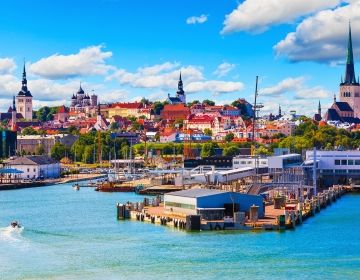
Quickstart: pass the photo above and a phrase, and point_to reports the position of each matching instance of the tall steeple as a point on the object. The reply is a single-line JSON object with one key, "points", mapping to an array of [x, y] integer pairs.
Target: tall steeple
{"points": [[319, 108], [14, 107], [24, 89], [280, 115], [180, 92], [350, 78]]}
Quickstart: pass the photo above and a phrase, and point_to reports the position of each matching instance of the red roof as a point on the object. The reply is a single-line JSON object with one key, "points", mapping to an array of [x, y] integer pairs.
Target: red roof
{"points": [[129, 105], [62, 109]]}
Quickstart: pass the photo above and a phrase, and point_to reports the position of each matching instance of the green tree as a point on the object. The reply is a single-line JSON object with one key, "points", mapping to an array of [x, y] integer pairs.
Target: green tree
{"points": [[208, 102], [88, 155], [158, 107], [208, 132], [231, 151], [58, 151], [114, 126], [208, 149], [29, 131], [73, 130], [229, 137], [40, 150]]}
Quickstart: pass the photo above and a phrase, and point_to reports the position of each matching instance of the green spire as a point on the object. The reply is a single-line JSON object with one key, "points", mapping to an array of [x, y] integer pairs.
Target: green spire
{"points": [[350, 56]]}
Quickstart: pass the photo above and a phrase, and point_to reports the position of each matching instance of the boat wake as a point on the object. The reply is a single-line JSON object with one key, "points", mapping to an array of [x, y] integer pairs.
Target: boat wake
{"points": [[10, 234]]}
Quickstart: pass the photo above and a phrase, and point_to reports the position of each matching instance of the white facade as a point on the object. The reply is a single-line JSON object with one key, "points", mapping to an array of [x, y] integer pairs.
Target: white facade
{"points": [[241, 162], [347, 161]]}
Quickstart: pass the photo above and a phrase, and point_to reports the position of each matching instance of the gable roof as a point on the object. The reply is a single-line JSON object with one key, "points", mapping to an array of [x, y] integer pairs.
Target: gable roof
{"points": [[343, 106], [31, 160]]}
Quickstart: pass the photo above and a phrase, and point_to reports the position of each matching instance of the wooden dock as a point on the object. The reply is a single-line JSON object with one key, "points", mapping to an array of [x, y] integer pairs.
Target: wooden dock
{"points": [[289, 216]]}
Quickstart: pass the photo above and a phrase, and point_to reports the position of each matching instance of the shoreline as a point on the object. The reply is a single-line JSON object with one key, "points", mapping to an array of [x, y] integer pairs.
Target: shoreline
{"points": [[84, 177]]}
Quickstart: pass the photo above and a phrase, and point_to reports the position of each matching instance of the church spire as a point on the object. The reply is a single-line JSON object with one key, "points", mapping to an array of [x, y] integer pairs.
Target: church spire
{"points": [[14, 107], [350, 69], [24, 81], [334, 98], [319, 108]]}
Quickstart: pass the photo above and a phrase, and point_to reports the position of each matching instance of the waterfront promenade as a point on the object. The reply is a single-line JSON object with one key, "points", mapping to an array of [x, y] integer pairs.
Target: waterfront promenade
{"points": [[75, 235]]}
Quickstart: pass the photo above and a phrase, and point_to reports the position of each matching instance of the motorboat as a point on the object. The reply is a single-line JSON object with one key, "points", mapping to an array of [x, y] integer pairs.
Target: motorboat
{"points": [[76, 187], [15, 224]]}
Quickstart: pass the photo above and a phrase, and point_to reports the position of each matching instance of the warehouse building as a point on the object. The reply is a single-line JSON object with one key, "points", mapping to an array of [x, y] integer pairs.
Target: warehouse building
{"points": [[211, 204]]}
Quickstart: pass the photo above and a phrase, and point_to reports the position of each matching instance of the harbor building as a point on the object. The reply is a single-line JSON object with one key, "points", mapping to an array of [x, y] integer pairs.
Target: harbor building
{"points": [[336, 167], [24, 99], [211, 204], [248, 161], [35, 167]]}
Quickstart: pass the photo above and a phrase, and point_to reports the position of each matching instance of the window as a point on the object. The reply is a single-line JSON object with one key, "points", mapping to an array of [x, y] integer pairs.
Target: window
{"points": [[343, 162], [34, 170], [28, 170], [337, 162], [357, 161], [350, 162]]}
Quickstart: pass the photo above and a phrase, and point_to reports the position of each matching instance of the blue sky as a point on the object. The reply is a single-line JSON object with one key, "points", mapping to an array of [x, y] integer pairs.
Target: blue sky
{"points": [[132, 48]]}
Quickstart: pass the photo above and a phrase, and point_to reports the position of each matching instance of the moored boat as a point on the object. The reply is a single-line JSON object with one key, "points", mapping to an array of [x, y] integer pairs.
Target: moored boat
{"points": [[111, 187]]}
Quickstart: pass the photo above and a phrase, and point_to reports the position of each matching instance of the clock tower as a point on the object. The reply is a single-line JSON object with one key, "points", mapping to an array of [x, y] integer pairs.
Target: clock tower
{"points": [[24, 99]]}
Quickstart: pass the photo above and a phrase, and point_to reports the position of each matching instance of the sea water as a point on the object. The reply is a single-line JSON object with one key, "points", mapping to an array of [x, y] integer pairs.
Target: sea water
{"points": [[70, 234]]}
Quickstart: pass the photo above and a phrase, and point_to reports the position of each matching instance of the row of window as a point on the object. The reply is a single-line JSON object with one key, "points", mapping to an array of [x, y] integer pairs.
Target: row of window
{"points": [[347, 161], [348, 94], [248, 162], [22, 100], [179, 205], [340, 171]]}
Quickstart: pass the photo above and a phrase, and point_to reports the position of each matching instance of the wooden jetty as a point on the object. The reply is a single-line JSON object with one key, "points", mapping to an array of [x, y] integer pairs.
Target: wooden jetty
{"points": [[288, 215]]}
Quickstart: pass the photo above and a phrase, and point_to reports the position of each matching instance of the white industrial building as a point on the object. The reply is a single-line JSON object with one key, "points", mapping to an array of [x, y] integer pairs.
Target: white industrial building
{"points": [[35, 167], [247, 161], [336, 167]]}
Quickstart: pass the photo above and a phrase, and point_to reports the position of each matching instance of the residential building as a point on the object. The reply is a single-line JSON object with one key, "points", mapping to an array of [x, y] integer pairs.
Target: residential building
{"points": [[30, 144], [35, 167], [175, 112]]}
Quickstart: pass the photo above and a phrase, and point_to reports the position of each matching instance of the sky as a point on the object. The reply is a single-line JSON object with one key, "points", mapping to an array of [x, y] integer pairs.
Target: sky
{"points": [[123, 50]]}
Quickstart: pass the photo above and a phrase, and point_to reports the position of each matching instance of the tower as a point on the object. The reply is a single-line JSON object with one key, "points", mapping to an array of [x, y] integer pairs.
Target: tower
{"points": [[180, 92], [13, 116], [24, 99], [349, 87], [280, 115], [319, 108]]}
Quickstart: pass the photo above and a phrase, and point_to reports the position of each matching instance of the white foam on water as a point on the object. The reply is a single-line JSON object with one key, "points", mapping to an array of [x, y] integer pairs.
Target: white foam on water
{"points": [[12, 235]]}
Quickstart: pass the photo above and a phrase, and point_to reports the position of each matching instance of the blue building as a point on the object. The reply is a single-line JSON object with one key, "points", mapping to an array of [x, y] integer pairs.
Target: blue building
{"points": [[211, 204]]}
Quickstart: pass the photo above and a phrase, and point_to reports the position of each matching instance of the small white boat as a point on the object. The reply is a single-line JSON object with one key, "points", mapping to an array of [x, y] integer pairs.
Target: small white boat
{"points": [[76, 187]]}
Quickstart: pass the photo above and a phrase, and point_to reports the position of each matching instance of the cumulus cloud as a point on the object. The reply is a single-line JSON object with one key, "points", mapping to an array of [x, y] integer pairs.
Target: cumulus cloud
{"points": [[88, 61], [215, 87], [223, 69], [145, 77], [296, 86], [323, 37], [295, 95], [7, 65], [165, 76], [284, 86], [197, 19], [258, 15]]}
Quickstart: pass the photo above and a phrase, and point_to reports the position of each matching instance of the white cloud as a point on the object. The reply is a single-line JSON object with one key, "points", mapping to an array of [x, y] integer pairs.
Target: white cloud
{"points": [[7, 65], [295, 86], [197, 19], [165, 77], [258, 15], [88, 61], [157, 76], [323, 36], [284, 86], [215, 87], [223, 69]]}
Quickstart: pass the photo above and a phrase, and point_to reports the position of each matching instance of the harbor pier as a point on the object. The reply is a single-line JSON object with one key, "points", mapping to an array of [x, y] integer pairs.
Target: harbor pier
{"points": [[287, 214]]}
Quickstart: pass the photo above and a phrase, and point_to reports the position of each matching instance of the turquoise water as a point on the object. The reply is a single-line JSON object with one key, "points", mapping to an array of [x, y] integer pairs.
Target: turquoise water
{"points": [[75, 235]]}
